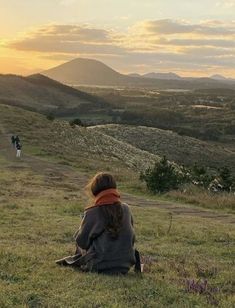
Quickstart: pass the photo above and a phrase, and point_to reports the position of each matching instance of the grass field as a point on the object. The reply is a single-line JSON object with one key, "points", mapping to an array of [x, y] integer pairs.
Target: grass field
{"points": [[41, 200]]}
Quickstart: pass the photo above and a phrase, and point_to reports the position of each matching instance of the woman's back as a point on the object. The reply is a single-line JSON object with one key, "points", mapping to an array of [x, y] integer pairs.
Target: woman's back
{"points": [[114, 253], [105, 238]]}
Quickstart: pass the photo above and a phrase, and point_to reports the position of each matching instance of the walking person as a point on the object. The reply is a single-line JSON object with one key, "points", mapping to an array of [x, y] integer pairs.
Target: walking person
{"points": [[13, 140], [105, 238], [17, 140], [18, 149]]}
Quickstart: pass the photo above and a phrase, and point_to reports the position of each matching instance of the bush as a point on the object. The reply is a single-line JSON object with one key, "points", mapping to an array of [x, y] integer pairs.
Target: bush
{"points": [[163, 177], [50, 117], [199, 176], [226, 179], [76, 122]]}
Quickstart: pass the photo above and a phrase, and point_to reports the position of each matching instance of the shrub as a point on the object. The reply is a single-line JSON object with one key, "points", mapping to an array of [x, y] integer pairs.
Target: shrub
{"points": [[163, 177], [76, 122], [226, 179], [50, 117], [199, 176]]}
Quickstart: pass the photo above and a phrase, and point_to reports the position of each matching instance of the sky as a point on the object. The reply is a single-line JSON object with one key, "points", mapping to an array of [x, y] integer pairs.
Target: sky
{"points": [[190, 38]]}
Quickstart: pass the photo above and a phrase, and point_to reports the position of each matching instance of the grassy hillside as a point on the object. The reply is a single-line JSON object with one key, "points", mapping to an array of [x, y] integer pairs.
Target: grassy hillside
{"points": [[181, 149], [74, 145], [41, 202], [41, 93]]}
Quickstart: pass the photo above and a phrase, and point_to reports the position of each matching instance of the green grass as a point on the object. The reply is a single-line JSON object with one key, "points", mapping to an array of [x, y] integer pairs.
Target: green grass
{"points": [[41, 202], [38, 219]]}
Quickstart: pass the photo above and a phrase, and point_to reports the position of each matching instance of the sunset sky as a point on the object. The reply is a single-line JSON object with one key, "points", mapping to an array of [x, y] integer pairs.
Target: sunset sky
{"points": [[191, 38]]}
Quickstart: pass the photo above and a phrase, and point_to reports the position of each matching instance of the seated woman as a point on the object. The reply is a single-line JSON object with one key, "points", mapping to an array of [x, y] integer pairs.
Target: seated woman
{"points": [[105, 239]]}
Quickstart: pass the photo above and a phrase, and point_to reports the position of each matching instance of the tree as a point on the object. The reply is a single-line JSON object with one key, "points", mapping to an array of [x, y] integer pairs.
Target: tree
{"points": [[50, 117], [200, 176], [162, 177], [76, 122], [226, 179]]}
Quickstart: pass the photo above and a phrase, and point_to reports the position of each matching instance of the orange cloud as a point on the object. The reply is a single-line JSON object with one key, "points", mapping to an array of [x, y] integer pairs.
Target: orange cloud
{"points": [[154, 43]]}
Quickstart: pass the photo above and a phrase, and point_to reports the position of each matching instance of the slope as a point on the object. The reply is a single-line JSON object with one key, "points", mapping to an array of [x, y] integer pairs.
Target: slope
{"points": [[79, 145], [40, 93], [188, 259], [181, 149]]}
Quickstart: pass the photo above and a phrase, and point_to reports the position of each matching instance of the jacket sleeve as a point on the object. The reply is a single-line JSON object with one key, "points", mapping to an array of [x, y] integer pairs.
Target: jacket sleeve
{"points": [[89, 229]]}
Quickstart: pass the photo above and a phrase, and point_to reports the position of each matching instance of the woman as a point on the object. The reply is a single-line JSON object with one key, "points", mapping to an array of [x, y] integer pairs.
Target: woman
{"points": [[105, 239], [18, 149]]}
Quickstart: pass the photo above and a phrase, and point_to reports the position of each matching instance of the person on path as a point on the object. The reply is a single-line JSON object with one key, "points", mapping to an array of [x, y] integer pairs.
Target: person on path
{"points": [[13, 141], [105, 238], [18, 149], [17, 140]]}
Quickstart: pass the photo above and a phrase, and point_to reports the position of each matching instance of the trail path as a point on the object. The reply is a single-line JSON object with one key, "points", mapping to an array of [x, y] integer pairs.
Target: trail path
{"points": [[68, 176]]}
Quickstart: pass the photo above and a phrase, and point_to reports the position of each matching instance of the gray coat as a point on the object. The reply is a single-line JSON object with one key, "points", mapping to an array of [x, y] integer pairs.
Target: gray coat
{"points": [[97, 251]]}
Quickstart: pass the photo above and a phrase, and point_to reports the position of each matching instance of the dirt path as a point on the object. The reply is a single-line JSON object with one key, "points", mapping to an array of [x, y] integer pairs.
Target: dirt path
{"points": [[67, 176]]}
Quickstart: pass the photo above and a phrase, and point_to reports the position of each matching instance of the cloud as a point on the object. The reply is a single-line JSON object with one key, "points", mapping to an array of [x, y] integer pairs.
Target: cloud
{"points": [[197, 42], [154, 43], [70, 33], [226, 4], [67, 39], [169, 26]]}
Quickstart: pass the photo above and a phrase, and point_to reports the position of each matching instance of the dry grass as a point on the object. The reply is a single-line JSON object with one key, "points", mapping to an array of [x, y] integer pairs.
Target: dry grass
{"points": [[198, 196]]}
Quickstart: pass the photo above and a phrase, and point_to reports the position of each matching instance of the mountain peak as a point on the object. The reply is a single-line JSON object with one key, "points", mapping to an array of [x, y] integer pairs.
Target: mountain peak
{"points": [[83, 71], [168, 76], [218, 77]]}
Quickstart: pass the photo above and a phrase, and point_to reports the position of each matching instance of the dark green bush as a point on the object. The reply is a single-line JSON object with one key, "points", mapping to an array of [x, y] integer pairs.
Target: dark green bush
{"points": [[76, 122], [163, 177], [50, 117], [226, 179], [200, 176]]}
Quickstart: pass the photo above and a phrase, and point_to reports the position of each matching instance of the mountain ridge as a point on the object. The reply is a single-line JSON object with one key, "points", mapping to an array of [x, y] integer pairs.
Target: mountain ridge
{"points": [[40, 93], [82, 71]]}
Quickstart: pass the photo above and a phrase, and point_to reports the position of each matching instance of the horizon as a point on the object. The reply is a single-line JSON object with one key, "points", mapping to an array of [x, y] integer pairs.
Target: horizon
{"points": [[196, 40], [141, 74]]}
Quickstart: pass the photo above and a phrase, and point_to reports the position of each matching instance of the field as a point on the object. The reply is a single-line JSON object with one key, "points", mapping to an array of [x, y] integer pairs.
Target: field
{"points": [[204, 114], [188, 250]]}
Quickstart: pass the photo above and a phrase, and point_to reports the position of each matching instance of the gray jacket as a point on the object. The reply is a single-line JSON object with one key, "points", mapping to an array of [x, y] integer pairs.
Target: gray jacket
{"points": [[102, 253]]}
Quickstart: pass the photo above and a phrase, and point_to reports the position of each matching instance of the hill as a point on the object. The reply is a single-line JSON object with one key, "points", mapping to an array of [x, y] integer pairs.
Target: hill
{"points": [[40, 93], [181, 149], [59, 139], [85, 71], [188, 252], [92, 72], [166, 76]]}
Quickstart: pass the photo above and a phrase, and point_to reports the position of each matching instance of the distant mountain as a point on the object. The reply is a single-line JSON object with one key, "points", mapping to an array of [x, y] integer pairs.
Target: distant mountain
{"points": [[166, 76], [134, 75], [85, 71], [92, 72], [218, 77], [40, 93]]}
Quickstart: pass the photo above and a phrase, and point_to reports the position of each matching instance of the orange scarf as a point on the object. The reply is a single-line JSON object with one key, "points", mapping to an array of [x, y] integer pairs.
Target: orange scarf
{"points": [[106, 197]]}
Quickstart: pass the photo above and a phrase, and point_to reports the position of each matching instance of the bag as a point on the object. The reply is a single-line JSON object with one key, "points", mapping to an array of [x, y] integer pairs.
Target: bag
{"points": [[138, 267]]}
